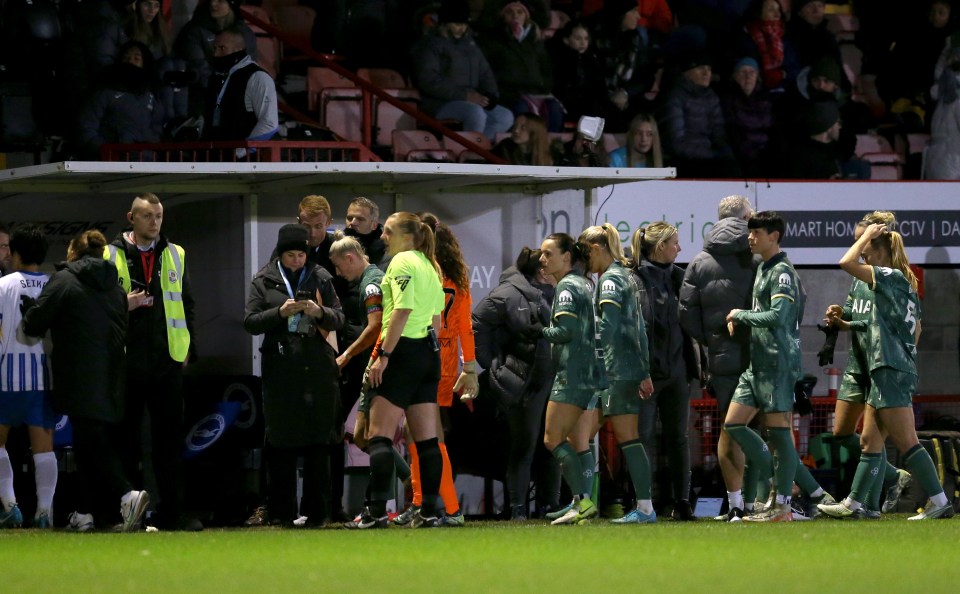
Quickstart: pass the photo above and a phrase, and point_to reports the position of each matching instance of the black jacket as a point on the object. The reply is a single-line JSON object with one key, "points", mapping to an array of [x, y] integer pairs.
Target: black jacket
{"points": [[672, 353], [372, 244], [718, 279], [506, 326], [85, 311], [147, 348], [301, 399]]}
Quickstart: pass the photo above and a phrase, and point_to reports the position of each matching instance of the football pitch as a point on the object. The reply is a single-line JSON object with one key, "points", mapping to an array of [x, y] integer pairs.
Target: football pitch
{"points": [[820, 556]]}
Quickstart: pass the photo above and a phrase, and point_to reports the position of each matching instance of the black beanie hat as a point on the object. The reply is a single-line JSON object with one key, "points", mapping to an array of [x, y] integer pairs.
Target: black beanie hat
{"points": [[820, 116], [826, 67], [453, 11], [695, 58], [292, 237]]}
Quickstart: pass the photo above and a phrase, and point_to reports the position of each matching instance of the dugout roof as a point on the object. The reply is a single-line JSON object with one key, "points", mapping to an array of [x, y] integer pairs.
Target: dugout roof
{"points": [[254, 178]]}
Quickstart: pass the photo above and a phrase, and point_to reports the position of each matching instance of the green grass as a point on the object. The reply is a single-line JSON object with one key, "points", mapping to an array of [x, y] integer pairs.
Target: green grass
{"points": [[815, 557]]}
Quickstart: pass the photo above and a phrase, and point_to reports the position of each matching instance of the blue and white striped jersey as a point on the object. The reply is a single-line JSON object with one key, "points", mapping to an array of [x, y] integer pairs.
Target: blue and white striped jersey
{"points": [[23, 363]]}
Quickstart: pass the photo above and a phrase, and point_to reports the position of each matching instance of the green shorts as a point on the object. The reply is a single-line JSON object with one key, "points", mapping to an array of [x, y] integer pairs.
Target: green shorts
{"points": [[620, 398], [768, 392], [891, 388], [854, 387], [585, 399]]}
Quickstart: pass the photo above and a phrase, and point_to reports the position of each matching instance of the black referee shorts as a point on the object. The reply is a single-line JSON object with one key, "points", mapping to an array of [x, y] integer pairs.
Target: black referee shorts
{"points": [[412, 376]]}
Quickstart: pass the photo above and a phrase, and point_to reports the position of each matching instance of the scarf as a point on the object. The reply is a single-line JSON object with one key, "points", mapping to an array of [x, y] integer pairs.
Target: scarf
{"points": [[768, 36]]}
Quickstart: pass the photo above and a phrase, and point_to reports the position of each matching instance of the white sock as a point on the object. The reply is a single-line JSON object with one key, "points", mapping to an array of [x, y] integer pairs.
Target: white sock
{"points": [[817, 493], [939, 499], [735, 498], [645, 506], [45, 468], [783, 499], [851, 504], [7, 496], [748, 507]]}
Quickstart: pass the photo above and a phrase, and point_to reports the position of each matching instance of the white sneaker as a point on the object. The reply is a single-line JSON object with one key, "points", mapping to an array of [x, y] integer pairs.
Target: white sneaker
{"points": [[301, 521], [132, 507], [78, 522]]}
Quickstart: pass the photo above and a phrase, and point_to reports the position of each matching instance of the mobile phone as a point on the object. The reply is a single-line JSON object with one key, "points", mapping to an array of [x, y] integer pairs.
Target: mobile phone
{"points": [[303, 295], [138, 286]]}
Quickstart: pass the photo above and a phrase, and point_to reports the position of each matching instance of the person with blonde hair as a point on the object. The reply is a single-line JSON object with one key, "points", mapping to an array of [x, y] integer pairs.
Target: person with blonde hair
{"points": [[673, 358], [642, 148], [855, 383], [404, 373], [626, 359], [892, 310], [529, 143]]}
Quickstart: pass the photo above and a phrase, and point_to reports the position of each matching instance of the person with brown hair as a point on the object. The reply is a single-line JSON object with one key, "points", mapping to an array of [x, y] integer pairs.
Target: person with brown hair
{"points": [[85, 310], [529, 143]]}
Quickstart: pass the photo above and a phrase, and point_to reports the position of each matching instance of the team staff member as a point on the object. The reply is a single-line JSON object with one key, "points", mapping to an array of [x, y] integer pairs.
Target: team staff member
{"points": [[456, 336], [578, 367], [25, 396], [363, 224], [85, 312], [152, 270], [314, 213], [893, 334], [767, 385], [626, 359], [405, 372], [293, 304]]}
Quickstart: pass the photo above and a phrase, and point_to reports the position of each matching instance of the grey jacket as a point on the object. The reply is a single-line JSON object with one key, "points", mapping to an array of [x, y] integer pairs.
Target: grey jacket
{"points": [[446, 69], [718, 279]]}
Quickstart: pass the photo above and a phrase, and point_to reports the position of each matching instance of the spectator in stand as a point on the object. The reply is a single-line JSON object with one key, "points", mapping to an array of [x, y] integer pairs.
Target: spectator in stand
{"points": [[943, 155], [766, 31], [656, 15], [195, 43], [241, 97], [579, 152], [522, 67], [454, 78], [748, 111], [642, 148], [909, 71], [816, 156], [110, 30], [93, 36], [122, 108], [529, 143], [577, 73], [694, 130], [626, 53], [809, 39], [490, 19], [146, 25]]}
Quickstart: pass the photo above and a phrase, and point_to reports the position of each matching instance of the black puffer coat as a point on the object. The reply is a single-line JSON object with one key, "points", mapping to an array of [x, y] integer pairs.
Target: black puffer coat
{"points": [[301, 401], [85, 311]]}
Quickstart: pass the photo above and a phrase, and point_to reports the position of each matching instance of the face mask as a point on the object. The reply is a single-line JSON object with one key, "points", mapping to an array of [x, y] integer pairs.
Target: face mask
{"points": [[223, 64]]}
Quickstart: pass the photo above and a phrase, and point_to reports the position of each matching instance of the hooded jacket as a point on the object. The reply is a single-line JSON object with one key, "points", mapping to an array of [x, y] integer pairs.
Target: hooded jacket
{"points": [[718, 279], [446, 69], [506, 326], [692, 123], [85, 311]]}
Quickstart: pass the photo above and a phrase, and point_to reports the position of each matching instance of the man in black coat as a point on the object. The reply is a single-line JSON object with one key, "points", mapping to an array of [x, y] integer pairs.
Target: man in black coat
{"points": [[817, 155]]}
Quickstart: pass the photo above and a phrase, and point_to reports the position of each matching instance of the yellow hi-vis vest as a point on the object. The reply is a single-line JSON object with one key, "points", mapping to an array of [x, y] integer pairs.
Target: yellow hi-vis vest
{"points": [[171, 283]]}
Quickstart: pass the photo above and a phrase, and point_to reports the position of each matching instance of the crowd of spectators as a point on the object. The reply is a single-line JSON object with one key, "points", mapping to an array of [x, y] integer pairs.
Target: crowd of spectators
{"points": [[732, 89]]}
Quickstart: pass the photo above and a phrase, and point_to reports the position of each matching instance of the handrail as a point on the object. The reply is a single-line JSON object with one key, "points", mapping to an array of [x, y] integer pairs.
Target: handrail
{"points": [[369, 88], [227, 151]]}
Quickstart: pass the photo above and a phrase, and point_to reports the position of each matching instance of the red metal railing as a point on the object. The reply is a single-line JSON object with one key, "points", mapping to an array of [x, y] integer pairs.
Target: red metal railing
{"points": [[262, 151], [368, 89]]}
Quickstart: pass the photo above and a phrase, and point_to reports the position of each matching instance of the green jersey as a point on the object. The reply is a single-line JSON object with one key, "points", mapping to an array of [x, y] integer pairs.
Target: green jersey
{"points": [[858, 310], [622, 332], [896, 314], [775, 319], [411, 282], [369, 291], [573, 334]]}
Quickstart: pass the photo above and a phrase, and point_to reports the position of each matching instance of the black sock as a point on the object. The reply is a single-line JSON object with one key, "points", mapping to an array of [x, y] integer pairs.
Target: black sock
{"points": [[431, 466], [381, 472]]}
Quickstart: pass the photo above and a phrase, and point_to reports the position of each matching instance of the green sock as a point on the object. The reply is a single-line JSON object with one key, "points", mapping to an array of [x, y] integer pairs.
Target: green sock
{"points": [[638, 466], [867, 471], [570, 467], [787, 460], [804, 478], [757, 454], [749, 486], [400, 466], [920, 465], [876, 487], [889, 470], [587, 464]]}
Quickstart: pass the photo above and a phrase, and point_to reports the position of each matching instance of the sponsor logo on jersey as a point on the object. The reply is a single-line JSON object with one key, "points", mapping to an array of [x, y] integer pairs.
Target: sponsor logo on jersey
{"points": [[608, 286], [885, 271], [371, 290], [565, 297], [861, 306], [402, 282], [784, 280]]}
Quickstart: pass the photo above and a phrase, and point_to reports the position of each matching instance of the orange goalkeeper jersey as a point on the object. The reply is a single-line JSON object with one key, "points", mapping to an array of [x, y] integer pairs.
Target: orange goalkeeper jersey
{"points": [[455, 325]]}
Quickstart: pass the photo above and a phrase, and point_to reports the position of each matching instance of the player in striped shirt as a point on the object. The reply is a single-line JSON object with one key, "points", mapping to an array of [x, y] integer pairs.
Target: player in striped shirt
{"points": [[25, 379]]}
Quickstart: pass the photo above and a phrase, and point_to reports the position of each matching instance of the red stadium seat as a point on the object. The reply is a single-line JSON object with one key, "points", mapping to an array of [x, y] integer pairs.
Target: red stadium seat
{"points": [[418, 145], [464, 155], [319, 79]]}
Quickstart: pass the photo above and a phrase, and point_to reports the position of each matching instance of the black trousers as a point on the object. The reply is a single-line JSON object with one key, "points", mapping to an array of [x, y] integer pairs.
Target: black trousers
{"points": [[282, 482], [159, 395], [97, 447]]}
